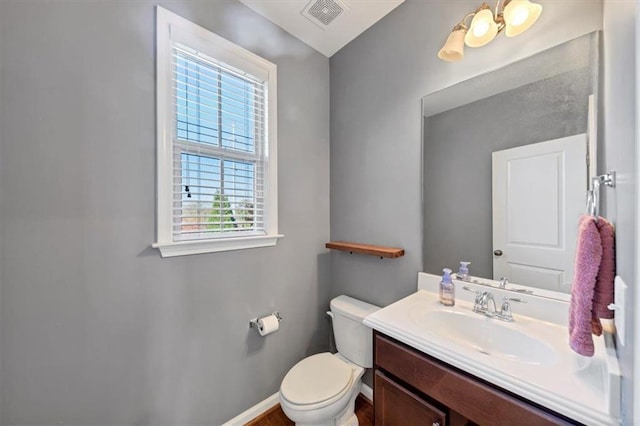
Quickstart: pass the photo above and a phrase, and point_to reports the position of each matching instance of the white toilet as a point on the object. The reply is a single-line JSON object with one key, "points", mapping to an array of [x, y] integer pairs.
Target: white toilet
{"points": [[322, 389]]}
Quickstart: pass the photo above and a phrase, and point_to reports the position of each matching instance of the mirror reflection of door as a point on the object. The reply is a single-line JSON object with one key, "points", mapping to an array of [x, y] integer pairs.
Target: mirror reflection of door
{"points": [[539, 194]]}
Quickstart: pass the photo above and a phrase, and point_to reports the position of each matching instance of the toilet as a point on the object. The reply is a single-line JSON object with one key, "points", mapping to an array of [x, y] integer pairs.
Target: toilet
{"points": [[321, 390]]}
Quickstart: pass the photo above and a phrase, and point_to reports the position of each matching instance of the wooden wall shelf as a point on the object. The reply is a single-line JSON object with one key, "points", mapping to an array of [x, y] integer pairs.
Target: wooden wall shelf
{"points": [[389, 252]]}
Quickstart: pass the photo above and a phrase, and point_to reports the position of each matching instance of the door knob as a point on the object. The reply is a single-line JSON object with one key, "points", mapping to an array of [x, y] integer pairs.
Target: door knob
{"points": [[497, 252]]}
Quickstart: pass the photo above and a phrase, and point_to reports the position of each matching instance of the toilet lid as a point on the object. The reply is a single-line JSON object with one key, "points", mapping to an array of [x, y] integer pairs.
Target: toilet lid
{"points": [[316, 379]]}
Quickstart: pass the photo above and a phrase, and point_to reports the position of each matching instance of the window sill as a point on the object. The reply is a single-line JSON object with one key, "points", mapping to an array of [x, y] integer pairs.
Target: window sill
{"points": [[184, 248]]}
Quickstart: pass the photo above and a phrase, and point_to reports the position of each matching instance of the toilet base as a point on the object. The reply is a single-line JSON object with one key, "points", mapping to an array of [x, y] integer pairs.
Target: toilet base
{"points": [[347, 417]]}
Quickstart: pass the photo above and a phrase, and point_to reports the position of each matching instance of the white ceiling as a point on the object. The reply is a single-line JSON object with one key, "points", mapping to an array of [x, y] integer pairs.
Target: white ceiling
{"points": [[355, 18]]}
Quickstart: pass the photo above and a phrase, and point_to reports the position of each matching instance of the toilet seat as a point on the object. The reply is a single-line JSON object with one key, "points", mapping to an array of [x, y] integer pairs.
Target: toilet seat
{"points": [[316, 380]]}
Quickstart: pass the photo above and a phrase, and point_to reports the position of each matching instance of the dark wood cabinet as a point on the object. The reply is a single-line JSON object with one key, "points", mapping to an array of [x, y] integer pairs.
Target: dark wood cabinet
{"points": [[396, 406], [413, 388]]}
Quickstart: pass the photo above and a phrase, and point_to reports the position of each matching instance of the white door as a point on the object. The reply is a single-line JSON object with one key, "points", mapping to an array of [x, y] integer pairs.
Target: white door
{"points": [[539, 193]]}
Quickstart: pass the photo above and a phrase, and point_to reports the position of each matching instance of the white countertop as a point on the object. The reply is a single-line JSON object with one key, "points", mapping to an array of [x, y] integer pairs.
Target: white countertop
{"points": [[587, 393]]}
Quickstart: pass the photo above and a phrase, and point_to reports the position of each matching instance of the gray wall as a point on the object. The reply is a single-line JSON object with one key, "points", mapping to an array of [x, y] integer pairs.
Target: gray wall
{"points": [[458, 145], [96, 327], [619, 154]]}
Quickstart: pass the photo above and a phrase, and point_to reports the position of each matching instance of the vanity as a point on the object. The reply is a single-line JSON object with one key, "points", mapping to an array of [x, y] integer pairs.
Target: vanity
{"points": [[438, 365]]}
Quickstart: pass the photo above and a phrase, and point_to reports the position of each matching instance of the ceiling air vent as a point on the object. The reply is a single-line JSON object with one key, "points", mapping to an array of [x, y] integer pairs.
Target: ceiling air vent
{"points": [[323, 12]]}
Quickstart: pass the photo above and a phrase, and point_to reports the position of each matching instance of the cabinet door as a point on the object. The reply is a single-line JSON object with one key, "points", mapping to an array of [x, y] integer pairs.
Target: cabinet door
{"points": [[397, 406]]}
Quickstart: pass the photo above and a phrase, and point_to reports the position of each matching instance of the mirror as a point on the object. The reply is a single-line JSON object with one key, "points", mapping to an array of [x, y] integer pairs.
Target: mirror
{"points": [[550, 96]]}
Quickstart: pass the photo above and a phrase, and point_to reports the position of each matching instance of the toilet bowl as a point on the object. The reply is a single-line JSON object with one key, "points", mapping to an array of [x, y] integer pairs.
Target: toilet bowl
{"points": [[321, 389]]}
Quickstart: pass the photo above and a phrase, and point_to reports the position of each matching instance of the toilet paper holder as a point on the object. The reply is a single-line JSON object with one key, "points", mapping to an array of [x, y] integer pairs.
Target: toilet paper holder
{"points": [[254, 322]]}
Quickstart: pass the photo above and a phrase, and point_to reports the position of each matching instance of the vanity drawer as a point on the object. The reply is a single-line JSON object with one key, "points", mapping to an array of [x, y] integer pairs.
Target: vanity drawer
{"points": [[464, 394], [396, 406]]}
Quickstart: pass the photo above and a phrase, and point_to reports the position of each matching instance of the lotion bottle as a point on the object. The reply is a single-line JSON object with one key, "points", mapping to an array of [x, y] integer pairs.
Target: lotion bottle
{"points": [[447, 289], [463, 272]]}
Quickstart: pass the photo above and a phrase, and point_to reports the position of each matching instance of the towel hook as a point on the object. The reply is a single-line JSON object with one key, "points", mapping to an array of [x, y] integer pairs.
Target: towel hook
{"points": [[593, 195]]}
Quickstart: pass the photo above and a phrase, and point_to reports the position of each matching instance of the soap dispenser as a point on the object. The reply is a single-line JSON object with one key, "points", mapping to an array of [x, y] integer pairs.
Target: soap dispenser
{"points": [[463, 271], [447, 289]]}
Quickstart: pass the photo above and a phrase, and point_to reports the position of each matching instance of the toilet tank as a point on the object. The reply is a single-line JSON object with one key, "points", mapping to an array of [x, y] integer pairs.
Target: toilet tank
{"points": [[354, 340]]}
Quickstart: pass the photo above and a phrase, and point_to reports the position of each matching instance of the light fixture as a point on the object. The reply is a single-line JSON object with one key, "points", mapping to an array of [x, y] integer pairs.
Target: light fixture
{"points": [[453, 49], [519, 15], [513, 16], [483, 28]]}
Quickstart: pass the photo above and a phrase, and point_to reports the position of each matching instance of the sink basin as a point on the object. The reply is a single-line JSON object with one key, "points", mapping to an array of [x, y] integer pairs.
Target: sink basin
{"points": [[485, 335]]}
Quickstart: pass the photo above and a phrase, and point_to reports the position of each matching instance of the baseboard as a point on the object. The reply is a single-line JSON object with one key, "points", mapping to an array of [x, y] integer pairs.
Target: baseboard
{"points": [[255, 411], [367, 392], [264, 406]]}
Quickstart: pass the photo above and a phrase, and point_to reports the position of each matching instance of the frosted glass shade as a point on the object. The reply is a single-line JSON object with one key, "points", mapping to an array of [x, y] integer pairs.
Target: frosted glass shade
{"points": [[483, 29], [519, 16], [453, 49]]}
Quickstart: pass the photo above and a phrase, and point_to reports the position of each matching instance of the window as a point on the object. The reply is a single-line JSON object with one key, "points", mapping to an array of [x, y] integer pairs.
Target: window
{"points": [[216, 112]]}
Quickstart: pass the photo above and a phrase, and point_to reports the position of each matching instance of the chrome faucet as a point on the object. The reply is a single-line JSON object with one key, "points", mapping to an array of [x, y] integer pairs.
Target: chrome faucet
{"points": [[481, 302], [485, 304], [485, 299], [503, 282]]}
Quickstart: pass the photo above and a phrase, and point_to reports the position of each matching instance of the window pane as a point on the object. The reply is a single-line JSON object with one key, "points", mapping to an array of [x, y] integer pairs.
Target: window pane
{"points": [[218, 195], [240, 187], [238, 113], [200, 183], [197, 101], [213, 104]]}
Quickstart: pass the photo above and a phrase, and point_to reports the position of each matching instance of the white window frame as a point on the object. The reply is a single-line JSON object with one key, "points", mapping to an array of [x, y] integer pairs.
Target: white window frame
{"points": [[173, 28]]}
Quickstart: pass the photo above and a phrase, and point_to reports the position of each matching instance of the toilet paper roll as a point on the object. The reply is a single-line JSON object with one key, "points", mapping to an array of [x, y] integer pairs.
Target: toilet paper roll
{"points": [[268, 324]]}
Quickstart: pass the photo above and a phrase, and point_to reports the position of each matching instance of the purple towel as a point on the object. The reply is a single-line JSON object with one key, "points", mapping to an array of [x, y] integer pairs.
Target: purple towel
{"points": [[603, 294], [588, 258], [592, 287]]}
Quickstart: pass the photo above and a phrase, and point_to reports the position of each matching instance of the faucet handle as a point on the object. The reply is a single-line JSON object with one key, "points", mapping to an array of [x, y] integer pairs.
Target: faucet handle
{"points": [[479, 294], [503, 282], [505, 310]]}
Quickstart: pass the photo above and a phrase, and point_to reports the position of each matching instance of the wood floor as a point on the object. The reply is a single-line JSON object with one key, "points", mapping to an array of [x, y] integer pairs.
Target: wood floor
{"points": [[275, 416]]}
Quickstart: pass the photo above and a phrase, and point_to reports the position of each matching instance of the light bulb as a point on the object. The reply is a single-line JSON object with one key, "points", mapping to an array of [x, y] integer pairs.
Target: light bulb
{"points": [[519, 16], [481, 28]]}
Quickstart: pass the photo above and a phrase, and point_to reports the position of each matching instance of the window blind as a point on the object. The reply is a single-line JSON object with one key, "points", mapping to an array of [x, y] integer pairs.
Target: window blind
{"points": [[218, 149]]}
